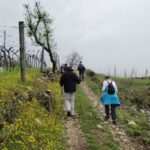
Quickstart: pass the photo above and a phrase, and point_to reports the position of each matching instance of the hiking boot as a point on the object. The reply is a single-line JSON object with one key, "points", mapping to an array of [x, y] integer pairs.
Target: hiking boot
{"points": [[114, 122], [106, 118], [68, 114]]}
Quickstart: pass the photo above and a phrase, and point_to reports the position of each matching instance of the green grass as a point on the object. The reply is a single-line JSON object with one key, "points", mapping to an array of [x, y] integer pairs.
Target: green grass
{"points": [[93, 86], [96, 139]]}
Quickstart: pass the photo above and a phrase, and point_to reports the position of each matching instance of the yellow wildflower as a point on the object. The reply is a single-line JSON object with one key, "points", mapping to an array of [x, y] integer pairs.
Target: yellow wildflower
{"points": [[31, 139]]}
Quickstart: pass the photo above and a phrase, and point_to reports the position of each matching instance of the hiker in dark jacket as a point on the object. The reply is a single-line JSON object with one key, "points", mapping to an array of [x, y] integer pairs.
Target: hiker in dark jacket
{"points": [[81, 70], [68, 81], [65, 67]]}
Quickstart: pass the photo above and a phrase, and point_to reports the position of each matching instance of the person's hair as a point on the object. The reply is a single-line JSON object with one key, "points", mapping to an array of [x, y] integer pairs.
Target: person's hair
{"points": [[65, 64], [107, 77]]}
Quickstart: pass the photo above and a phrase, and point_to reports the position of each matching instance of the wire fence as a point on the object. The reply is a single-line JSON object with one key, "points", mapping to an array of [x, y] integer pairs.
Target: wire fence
{"points": [[9, 38]]}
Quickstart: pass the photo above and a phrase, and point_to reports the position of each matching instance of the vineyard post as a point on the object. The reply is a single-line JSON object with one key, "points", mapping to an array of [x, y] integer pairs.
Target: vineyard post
{"points": [[132, 72], [1, 57], [22, 51], [146, 73], [125, 73], [115, 69]]}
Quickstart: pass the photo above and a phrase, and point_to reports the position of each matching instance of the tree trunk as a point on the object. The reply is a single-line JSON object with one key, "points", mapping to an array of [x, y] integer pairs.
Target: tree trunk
{"points": [[42, 60], [54, 67]]}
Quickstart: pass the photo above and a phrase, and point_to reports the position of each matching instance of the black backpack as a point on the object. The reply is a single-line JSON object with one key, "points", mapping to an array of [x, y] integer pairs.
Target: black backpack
{"points": [[110, 89]]}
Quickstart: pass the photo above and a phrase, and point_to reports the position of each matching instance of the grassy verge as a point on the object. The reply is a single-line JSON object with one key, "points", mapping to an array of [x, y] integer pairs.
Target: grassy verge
{"points": [[96, 138], [93, 86], [24, 122]]}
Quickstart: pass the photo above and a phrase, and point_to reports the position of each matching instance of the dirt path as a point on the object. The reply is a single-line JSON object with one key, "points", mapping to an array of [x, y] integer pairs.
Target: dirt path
{"points": [[118, 133], [75, 139]]}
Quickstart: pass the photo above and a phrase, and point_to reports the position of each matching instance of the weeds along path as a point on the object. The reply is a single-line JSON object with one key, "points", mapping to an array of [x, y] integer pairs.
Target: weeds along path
{"points": [[75, 139], [118, 133]]}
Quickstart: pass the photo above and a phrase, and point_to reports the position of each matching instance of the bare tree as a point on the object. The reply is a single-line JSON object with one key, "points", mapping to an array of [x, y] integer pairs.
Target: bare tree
{"points": [[9, 57], [3, 50], [73, 59], [38, 23], [15, 52]]}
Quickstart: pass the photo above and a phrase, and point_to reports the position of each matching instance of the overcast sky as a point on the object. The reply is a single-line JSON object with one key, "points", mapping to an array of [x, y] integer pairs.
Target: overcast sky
{"points": [[104, 32]]}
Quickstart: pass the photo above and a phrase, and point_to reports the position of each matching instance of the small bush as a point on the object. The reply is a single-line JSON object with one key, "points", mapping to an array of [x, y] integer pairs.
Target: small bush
{"points": [[90, 73]]}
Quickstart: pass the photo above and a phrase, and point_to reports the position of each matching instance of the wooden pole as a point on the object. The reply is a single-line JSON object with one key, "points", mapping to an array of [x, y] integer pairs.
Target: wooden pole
{"points": [[115, 71], [5, 56], [132, 72], [1, 60], [135, 73], [4, 39], [125, 73], [100, 69], [146, 73], [22, 51]]}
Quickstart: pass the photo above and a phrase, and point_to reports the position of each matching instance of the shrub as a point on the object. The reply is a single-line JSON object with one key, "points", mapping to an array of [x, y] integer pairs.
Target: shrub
{"points": [[90, 73]]}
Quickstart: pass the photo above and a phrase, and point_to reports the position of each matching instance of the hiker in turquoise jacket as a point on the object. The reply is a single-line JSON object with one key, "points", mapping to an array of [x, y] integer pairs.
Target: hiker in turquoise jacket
{"points": [[109, 98]]}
